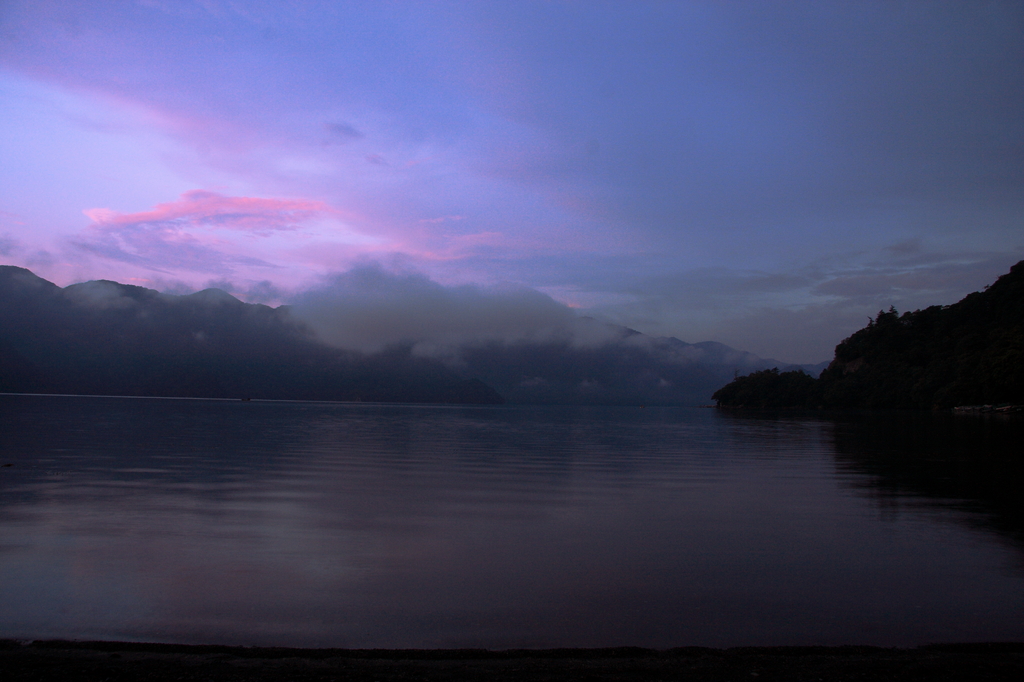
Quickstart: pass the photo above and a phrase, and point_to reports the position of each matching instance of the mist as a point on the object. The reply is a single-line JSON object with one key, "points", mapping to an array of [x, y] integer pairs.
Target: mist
{"points": [[369, 309], [367, 334]]}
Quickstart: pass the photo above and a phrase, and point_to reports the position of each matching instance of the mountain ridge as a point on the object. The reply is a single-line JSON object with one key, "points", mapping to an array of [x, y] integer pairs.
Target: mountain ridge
{"points": [[106, 338]]}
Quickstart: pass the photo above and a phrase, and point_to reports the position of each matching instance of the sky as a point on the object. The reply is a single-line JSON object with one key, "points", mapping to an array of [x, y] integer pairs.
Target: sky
{"points": [[766, 175]]}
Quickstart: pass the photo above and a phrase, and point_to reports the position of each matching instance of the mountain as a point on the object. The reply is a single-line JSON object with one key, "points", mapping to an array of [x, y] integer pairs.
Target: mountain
{"points": [[630, 369], [105, 338], [968, 353]]}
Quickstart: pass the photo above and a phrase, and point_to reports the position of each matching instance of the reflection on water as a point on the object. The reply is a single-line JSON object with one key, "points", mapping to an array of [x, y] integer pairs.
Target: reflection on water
{"points": [[969, 462], [410, 526]]}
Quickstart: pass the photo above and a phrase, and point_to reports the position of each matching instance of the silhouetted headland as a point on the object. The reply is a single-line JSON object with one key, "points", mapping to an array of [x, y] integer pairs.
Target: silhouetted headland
{"points": [[969, 355]]}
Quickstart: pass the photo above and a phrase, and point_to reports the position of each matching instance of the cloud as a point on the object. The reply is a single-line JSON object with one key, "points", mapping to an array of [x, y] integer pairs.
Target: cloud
{"points": [[263, 292], [800, 316], [8, 245], [101, 294], [343, 132], [923, 276], [39, 258], [906, 247], [222, 284], [604, 152], [200, 209], [165, 253], [202, 232], [369, 308], [175, 287], [443, 219]]}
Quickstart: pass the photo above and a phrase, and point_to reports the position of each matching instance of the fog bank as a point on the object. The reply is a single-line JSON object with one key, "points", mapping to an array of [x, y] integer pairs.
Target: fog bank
{"points": [[369, 309]]}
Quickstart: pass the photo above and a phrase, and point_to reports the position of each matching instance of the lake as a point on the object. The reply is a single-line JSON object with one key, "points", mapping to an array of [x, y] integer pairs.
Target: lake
{"points": [[369, 525]]}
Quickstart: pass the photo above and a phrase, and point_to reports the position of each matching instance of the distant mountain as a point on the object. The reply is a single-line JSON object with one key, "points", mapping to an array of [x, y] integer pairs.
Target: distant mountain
{"points": [[631, 369], [105, 338], [968, 353]]}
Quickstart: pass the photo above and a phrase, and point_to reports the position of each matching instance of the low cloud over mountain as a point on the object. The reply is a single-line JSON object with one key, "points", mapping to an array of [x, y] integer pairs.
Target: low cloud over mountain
{"points": [[106, 338], [369, 309], [367, 334]]}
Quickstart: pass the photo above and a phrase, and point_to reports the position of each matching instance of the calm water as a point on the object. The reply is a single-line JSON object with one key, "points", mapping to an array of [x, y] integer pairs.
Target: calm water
{"points": [[402, 526]]}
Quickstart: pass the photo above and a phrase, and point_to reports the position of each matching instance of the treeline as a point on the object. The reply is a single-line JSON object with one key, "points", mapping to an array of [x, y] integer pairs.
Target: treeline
{"points": [[968, 353]]}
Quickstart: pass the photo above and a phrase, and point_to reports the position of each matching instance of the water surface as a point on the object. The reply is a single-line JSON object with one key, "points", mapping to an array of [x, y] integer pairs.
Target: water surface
{"points": [[305, 524]]}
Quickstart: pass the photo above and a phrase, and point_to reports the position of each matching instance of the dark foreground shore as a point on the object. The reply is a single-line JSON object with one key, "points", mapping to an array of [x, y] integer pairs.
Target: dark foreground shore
{"points": [[116, 661]]}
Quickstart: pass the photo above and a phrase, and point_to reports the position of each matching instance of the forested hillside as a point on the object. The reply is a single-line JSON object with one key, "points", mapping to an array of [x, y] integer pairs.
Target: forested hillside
{"points": [[968, 353], [105, 338]]}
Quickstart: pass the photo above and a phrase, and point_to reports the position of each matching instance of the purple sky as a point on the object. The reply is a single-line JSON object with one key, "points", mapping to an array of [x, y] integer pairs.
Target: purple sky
{"points": [[762, 174]]}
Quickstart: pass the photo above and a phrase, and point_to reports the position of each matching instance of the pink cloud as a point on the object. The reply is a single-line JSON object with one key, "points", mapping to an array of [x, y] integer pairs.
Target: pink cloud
{"points": [[202, 209], [443, 219], [459, 246], [206, 232], [203, 234]]}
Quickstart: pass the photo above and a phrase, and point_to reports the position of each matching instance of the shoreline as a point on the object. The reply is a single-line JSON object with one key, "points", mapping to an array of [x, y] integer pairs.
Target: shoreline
{"points": [[103, 660]]}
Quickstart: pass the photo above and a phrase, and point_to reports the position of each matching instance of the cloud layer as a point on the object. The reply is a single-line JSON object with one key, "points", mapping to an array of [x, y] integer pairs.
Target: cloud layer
{"points": [[681, 167], [368, 309], [209, 210], [195, 233], [801, 315]]}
